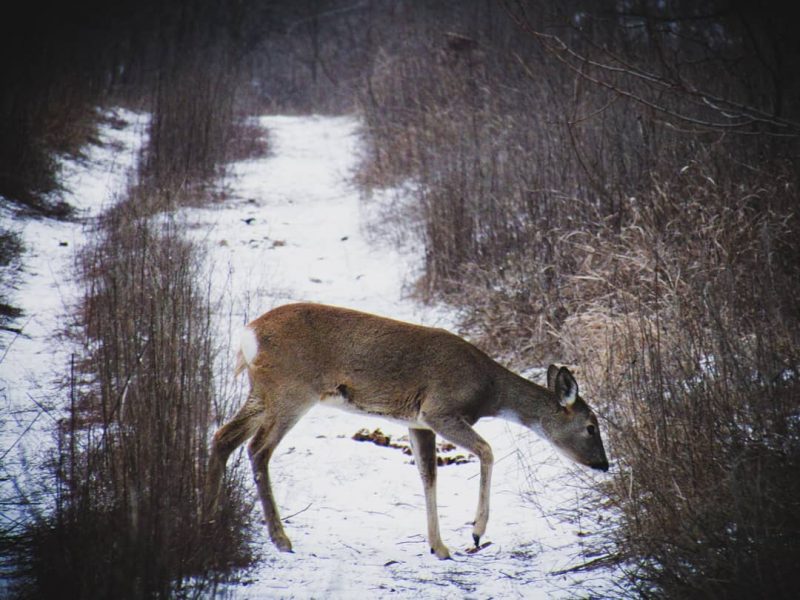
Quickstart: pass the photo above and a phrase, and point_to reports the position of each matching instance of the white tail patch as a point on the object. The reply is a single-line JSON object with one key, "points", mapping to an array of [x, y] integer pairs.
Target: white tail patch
{"points": [[249, 345], [248, 349]]}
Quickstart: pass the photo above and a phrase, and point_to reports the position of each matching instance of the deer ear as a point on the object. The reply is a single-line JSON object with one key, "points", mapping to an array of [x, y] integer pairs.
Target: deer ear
{"points": [[552, 371], [566, 388]]}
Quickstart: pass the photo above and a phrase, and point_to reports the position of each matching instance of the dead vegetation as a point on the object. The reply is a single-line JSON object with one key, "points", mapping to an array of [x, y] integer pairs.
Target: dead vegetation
{"points": [[142, 397], [567, 204], [130, 459], [610, 185]]}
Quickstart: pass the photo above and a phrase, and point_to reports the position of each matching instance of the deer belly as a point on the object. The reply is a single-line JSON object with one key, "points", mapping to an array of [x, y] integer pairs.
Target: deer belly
{"points": [[344, 398]]}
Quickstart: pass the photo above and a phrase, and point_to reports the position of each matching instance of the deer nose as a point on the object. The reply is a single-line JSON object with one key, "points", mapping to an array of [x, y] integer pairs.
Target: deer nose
{"points": [[600, 466]]}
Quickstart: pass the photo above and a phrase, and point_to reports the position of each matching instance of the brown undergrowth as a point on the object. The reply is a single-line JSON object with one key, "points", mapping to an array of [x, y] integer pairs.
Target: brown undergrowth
{"points": [[142, 399], [574, 217], [130, 459]]}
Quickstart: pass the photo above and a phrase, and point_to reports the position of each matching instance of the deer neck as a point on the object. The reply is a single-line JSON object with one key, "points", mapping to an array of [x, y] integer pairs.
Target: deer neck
{"points": [[522, 401]]}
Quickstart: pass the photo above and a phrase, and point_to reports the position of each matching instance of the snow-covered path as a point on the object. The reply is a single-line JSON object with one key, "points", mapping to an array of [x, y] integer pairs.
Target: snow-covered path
{"points": [[295, 230]]}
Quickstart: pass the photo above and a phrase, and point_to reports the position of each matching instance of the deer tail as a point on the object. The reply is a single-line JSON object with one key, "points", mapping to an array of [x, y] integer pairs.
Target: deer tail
{"points": [[248, 350]]}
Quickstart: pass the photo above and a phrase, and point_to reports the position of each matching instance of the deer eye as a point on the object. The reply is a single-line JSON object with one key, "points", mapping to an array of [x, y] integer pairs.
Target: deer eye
{"points": [[590, 429]]}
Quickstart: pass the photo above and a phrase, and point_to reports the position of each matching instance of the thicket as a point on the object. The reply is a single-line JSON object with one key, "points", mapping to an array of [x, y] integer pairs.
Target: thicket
{"points": [[314, 53], [129, 464], [59, 61], [615, 185], [119, 512]]}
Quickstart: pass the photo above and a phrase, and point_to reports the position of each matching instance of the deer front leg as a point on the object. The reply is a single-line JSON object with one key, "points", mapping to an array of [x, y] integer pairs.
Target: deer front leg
{"points": [[461, 433], [423, 444]]}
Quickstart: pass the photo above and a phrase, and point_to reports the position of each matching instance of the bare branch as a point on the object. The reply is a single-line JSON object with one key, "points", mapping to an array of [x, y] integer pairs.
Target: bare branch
{"points": [[738, 116]]}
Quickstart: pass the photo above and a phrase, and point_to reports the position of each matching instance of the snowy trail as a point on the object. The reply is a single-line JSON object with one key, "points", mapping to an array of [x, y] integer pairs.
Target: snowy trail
{"points": [[295, 230]]}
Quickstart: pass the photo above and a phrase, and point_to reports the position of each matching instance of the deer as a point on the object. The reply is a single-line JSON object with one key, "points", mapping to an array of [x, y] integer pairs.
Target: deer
{"points": [[431, 380]]}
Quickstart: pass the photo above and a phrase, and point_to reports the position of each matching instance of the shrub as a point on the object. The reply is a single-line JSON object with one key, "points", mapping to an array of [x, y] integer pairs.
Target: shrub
{"points": [[583, 202], [695, 352], [130, 461]]}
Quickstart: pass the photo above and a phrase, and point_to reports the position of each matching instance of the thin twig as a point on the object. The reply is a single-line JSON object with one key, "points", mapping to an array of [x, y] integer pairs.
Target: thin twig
{"points": [[18, 333], [499, 460], [562, 52], [297, 513], [595, 563], [20, 436], [41, 406]]}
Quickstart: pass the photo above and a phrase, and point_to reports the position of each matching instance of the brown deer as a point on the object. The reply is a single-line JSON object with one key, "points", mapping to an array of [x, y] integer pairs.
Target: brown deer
{"points": [[429, 379]]}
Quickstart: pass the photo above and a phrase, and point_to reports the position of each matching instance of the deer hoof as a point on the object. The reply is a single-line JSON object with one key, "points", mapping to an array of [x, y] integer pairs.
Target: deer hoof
{"points": [[282, 543]]}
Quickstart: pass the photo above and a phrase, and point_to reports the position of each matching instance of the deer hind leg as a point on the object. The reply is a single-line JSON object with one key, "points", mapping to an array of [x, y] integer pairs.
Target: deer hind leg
{"points": [[461, 433], [261, 448], [423, 444], [227, 438]]}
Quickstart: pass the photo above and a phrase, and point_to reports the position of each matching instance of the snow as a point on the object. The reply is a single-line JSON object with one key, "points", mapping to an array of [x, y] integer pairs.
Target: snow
{"points": [[294, 227], [35, 363]]}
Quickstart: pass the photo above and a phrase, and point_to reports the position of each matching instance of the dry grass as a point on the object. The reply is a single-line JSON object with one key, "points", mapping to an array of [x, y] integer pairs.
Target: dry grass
{"points": [[702, 375], [130, 461], [572, 224], [142, 399]]}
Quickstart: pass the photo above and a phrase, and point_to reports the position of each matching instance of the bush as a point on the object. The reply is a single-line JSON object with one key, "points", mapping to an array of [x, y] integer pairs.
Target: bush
{"points": [[129, 466], [10, 250], [584, 203], [695, 352]]}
